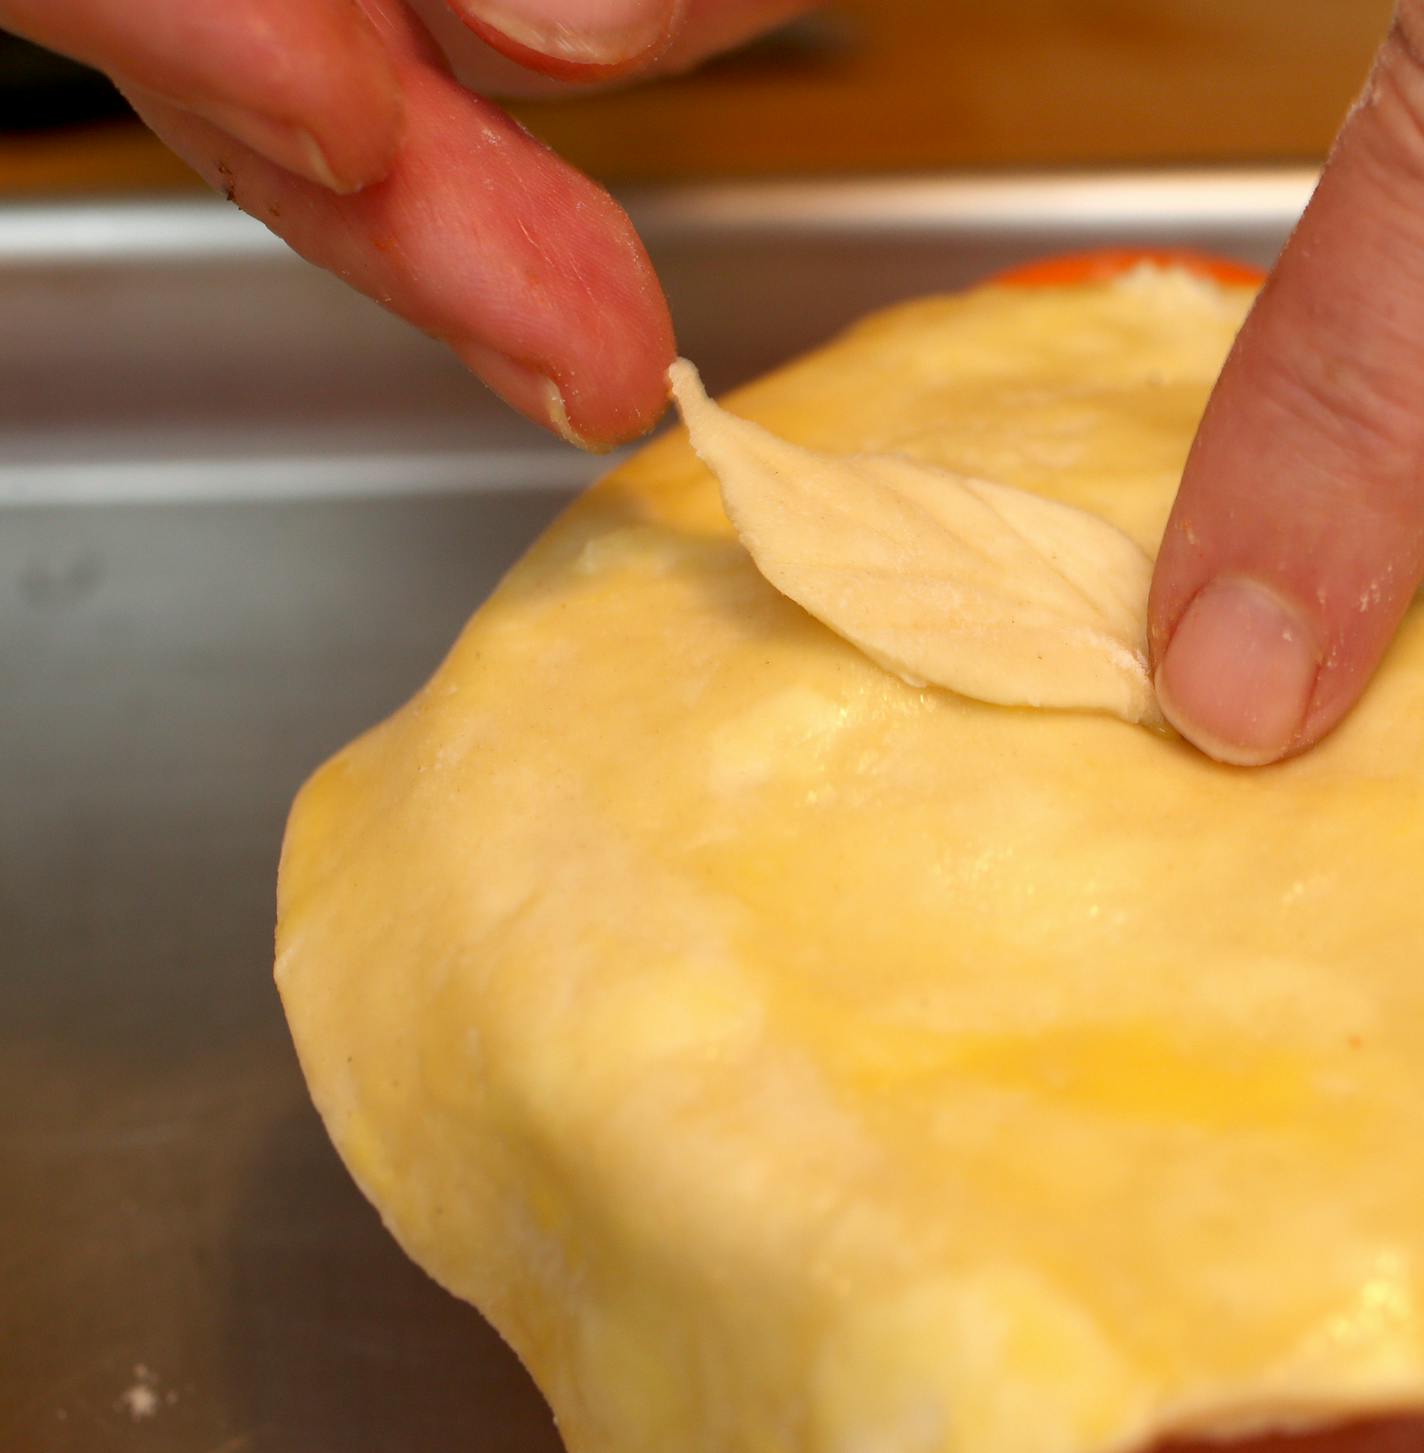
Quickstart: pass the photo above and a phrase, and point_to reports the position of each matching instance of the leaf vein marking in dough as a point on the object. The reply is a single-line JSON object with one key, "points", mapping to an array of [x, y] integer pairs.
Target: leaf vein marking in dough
{"points": [[943, 579]]}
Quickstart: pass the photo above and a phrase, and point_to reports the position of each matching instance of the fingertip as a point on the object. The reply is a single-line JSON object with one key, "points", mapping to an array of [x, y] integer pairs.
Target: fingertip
{"points": [[296, 148], [352, 165], [604, 419], [594, 425], [525, 388], [360, 129], [587, 40], [1238, 674], [605, 411], [311, 88], [351, 121]]}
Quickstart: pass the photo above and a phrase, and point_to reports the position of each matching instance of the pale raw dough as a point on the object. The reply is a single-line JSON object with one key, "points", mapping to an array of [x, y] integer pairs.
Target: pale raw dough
{"points": [[947, 580], [787, 1060]]}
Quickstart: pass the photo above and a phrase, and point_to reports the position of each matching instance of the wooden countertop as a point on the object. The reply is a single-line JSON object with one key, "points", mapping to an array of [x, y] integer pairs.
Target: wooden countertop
{"points": [[897, 85]]}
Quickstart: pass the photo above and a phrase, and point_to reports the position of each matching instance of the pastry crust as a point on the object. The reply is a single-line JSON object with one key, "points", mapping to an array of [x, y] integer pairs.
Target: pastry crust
{"points": [[786, 1058]]}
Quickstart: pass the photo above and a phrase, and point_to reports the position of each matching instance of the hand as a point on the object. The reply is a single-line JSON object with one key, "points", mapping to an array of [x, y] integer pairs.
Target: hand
{"points": [[341, 125], [1297, 539]]}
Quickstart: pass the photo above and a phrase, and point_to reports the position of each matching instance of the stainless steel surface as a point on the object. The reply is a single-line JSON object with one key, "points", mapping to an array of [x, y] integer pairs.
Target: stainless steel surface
{"points": [[242, 515]]}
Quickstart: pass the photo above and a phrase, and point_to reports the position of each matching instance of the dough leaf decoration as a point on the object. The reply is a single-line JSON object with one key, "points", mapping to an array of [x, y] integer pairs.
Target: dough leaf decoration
{"points": [[943, 579]]}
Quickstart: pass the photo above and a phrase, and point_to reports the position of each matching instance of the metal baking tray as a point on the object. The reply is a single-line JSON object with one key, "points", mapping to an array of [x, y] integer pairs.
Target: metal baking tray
{"points": [[242, 514]]}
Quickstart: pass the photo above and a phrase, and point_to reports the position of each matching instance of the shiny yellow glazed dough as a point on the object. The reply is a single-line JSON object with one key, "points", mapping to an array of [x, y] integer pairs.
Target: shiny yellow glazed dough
{"points": [[788, 1060]]}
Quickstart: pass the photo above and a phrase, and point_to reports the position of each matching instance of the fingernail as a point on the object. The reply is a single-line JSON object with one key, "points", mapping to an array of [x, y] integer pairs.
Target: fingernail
{"points": [[577, 32], [525, 389], [1239, 672], [292, 147]]}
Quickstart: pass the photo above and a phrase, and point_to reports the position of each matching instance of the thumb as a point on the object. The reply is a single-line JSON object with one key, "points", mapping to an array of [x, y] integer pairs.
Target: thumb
{"points": [[1297, 538]]}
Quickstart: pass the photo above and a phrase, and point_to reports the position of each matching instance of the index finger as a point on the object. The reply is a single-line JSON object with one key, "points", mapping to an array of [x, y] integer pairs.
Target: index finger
{"points": [[480, 236], [1297, 538]]}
